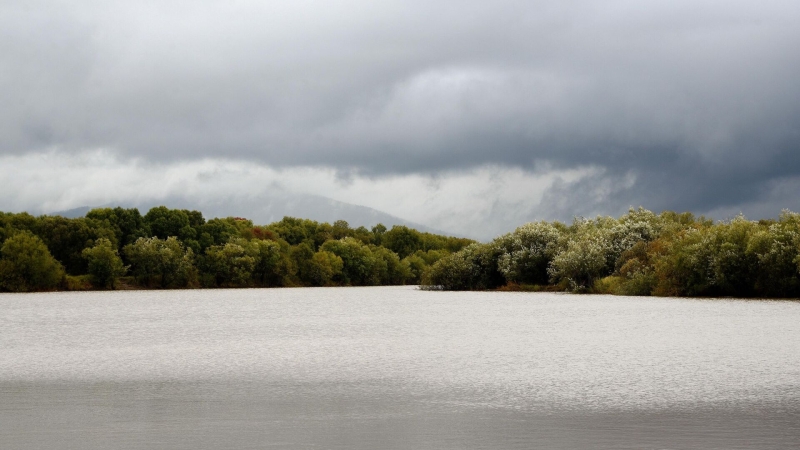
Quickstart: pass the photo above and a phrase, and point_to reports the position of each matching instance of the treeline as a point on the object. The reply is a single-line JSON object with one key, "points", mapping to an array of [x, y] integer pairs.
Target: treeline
{"points": [[641, 253], [177, 248]]}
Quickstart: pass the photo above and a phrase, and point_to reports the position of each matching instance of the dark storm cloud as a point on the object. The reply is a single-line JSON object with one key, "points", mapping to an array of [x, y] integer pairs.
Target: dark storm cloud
{"points": [[696, 102]]}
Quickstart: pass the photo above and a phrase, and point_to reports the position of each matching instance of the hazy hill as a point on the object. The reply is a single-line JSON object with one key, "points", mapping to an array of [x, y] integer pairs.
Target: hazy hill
{"points": [[266, 209]]}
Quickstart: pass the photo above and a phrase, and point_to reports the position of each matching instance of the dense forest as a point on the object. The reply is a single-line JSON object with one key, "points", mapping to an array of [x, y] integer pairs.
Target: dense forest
{"points": [[174, 248], [641, 253]]}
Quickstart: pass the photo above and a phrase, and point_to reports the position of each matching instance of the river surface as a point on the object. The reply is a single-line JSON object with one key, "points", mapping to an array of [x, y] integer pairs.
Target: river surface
{"points": [[395, 368]]}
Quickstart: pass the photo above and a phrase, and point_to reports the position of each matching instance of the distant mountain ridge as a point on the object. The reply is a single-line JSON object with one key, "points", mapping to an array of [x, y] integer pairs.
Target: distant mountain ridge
{"points": [[263, 210]]}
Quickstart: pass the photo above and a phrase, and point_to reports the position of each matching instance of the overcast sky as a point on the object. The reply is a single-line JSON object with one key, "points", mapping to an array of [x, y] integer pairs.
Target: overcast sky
{"points": [[468, 116]]}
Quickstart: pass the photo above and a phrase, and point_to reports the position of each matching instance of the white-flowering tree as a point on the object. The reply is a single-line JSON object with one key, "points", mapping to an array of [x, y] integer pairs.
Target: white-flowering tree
{"points": [[527, 252], [777, 252], [584, 259], [638, 225]]}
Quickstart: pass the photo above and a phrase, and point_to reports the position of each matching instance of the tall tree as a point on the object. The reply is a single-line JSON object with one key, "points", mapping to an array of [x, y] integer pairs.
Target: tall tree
{"points": [[165, 262], [105, 265], [27, 265]]}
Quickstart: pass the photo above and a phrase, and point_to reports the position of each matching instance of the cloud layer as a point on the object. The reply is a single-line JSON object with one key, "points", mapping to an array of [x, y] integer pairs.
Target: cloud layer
{"points": [[479, 203], [688, 105]]}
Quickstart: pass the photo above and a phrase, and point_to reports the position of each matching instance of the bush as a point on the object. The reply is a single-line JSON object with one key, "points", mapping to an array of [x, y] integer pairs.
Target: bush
{"points": [[607, 285], [472, 268], [78, 283]]}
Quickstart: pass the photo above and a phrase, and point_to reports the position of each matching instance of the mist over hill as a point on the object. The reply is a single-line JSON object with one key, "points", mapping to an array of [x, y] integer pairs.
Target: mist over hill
{"points": [[265, 209]]}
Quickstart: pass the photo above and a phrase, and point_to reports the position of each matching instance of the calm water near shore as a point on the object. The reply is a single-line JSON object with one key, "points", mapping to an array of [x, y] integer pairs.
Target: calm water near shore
{"points": [[395, 368]]}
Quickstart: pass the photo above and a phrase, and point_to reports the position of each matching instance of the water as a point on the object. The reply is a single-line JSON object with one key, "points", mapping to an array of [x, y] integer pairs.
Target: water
{"points": [[395, 368]]}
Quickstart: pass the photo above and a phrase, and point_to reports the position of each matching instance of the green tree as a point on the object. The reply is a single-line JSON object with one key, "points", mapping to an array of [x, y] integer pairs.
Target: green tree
{"points": [[391, 270], [431, 256], [323, 267], [231, 264], [184, 224], [363, 235], [636, 275], [341, 229], [301, 255], [162, 262], [776, 247], [732, 265], [127, 224], [359, 264], [27, 265], [455, 272], [323, 233], [11, 223], [105, 265], [217, 232], [416, 267], [402, 240], [294, 230], [267, 269], [684, 265], [165, 222], [66, 239], [472, 268], [377, 233]]}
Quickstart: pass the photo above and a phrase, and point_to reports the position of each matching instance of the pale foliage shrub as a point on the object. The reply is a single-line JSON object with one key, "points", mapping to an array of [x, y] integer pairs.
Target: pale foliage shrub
{"points": [[583, 261], [527, 252]]}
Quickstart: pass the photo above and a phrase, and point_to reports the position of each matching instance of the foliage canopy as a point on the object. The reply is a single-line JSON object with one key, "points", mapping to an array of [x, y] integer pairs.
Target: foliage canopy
{"points": [[640, 253]]}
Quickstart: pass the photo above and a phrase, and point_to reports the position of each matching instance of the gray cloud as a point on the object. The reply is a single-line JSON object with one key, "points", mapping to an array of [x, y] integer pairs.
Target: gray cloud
{"points": [[683, 104]]}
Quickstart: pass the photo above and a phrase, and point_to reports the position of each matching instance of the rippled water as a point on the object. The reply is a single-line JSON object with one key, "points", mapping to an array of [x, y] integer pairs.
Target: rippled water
{"points": [[395, 367]]}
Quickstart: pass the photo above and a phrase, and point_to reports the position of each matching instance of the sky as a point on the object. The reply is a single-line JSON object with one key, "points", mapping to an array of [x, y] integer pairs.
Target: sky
{"points": [[471, 117]]}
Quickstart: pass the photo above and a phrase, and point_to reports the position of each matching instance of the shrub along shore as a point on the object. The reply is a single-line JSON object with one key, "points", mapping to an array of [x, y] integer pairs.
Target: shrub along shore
{"points": [[641, 253]]}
